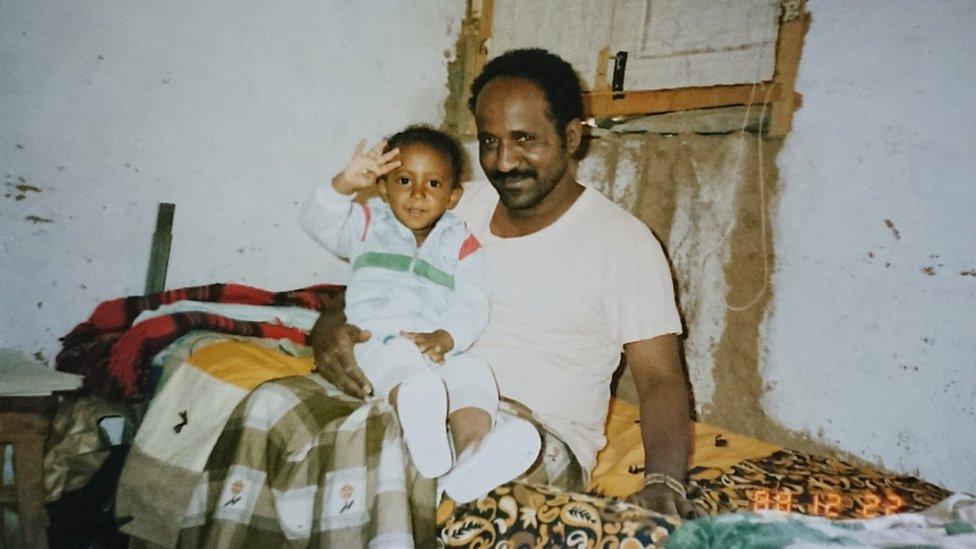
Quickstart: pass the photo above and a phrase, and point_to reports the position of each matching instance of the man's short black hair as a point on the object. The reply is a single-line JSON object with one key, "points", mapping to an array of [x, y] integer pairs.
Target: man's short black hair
{"points": [[557, 79], [433, 138]]}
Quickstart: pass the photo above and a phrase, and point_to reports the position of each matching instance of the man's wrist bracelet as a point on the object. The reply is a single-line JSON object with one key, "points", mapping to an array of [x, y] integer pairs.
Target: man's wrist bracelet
{"points": [[670, 482]]}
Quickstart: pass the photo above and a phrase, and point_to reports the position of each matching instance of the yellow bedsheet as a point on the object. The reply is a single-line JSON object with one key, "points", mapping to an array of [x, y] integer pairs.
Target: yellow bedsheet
{"points": [[713, 448]]}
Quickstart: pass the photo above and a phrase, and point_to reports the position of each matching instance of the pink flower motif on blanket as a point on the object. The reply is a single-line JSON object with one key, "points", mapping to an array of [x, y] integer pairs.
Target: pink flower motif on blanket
{"points": [[346, 493], [235, 492]]}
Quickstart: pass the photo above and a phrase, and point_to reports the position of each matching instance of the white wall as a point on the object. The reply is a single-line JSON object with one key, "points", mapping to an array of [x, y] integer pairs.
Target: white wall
{"points": [[871, 340], [231, 112]]}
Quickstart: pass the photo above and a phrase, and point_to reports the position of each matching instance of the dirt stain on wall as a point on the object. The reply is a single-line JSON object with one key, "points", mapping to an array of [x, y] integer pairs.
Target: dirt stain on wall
{"points": [[674, 162], [894, 230], [737, 403], [24, 188]]}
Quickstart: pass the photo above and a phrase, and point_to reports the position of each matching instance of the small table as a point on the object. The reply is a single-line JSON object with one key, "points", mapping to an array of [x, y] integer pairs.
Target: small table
{"points": [[25, 423]]}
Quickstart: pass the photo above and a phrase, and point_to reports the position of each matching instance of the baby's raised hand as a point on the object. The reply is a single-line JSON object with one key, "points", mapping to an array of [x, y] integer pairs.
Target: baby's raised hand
{"points": [[365, 167], [433, 344]]}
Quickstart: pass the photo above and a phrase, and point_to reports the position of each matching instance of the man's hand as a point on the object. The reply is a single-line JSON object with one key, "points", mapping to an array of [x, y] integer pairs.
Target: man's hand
{"points": [[433, 344], [661, 499], [365, 167], [332, 341]]}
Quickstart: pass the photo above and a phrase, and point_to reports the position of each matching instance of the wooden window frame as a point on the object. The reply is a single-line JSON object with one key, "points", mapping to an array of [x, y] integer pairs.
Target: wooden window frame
{"points": [[603, 102]]}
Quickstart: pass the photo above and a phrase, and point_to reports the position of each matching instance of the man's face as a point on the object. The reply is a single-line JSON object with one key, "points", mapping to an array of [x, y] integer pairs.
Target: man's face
{"points": [[522, 152]]}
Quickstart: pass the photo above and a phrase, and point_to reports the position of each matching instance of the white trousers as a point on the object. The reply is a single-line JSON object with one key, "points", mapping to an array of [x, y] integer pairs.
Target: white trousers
{"points": [[389, 360]]}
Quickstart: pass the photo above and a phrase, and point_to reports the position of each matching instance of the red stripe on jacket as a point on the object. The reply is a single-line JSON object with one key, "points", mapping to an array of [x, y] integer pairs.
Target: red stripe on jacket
{"points": [[469, 247], [369, 216]]}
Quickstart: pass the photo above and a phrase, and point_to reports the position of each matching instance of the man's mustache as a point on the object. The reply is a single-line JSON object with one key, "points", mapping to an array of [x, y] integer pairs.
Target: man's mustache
{"points": [[502, 178]]}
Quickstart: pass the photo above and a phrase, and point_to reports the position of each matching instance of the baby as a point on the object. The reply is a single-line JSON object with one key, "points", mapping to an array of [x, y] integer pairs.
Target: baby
{"points": [[418, 286]]}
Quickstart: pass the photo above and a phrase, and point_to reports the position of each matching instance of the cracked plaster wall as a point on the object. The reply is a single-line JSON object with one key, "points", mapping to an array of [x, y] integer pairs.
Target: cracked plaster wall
{"points": [[232, 113], [870, 344]]}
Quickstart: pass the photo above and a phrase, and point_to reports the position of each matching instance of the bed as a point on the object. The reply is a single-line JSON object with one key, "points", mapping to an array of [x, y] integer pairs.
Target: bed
{"points": [[240, 444]]}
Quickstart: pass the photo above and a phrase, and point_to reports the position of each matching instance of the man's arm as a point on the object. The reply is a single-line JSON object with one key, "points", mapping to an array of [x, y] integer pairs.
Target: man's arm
{"points": [[332, 340], [665, 421]]}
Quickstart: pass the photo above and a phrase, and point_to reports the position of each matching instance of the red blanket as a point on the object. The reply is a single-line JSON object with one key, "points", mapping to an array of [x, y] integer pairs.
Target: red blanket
{"points": [[114, 356]]}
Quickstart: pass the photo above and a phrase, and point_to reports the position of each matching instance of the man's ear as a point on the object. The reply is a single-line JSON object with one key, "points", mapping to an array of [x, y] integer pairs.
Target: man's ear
{"points": [[381, 188], [456, 192], [573, 135]]}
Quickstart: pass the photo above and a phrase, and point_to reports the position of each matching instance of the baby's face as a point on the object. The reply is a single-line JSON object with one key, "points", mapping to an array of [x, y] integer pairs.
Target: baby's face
{"points": [[421, 189]]}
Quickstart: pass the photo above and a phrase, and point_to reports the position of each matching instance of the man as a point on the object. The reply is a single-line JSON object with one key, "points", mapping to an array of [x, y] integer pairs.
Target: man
{"points": [[574, 280]]}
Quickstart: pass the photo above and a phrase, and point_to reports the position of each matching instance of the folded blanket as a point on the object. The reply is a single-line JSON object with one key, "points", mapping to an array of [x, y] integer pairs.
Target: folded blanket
{"points": [[114, 355], [209, 375], [223, 459]]}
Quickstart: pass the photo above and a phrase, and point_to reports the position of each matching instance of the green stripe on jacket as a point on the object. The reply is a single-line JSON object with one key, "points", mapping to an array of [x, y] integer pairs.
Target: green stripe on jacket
{"points": [[433, 274], [393, 262], [400, 262]]}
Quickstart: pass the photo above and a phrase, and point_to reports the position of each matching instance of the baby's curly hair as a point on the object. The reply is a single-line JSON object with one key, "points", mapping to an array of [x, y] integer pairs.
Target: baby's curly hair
{"points": [[420, 133], [557, 79]]}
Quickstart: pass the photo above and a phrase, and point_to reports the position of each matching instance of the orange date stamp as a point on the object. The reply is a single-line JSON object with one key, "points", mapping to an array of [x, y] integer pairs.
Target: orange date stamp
{"points": [[827, 504]]}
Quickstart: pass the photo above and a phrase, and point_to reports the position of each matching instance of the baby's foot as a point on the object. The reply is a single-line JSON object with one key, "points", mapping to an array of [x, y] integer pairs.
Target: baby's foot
{"points": [[422, 407], [506, 452]]}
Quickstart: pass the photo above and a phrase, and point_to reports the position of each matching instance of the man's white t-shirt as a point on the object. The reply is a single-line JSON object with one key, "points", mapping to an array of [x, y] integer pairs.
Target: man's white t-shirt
{"points": [[564, 301]]}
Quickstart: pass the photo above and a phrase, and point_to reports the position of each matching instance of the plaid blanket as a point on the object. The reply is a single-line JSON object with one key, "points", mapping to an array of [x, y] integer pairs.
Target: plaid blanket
{"points": [[114, 355], [300, 464], [295, 462], [292, 462]]}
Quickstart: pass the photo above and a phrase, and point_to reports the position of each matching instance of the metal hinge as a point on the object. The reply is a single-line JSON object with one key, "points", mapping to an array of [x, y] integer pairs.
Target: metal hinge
{"points": [[619, 69]]}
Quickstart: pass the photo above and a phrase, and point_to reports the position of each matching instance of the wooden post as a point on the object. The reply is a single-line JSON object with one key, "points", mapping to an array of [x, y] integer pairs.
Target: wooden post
{"points": [[600, 81], [25, 423], [789, 48], [471, 55], [159, 254]]}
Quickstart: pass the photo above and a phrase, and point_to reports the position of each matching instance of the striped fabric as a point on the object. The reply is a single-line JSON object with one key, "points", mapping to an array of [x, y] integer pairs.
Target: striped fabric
{"points": [[404, 263]]}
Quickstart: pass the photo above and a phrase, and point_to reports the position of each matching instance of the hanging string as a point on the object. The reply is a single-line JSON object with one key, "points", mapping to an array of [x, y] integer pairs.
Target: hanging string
{"points": [[762, 189], [761, 169]]}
